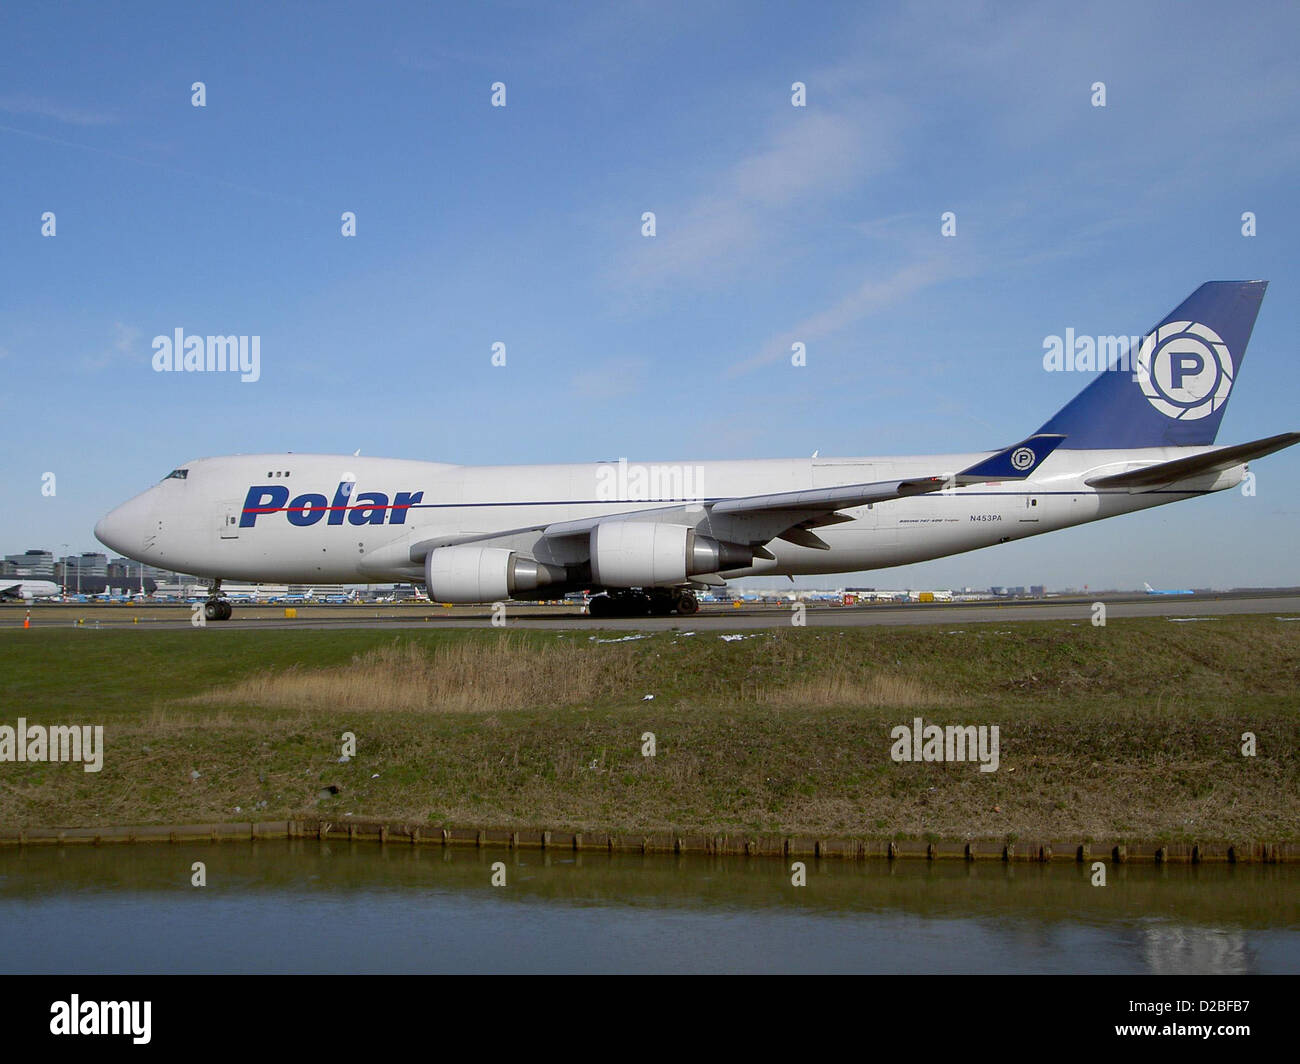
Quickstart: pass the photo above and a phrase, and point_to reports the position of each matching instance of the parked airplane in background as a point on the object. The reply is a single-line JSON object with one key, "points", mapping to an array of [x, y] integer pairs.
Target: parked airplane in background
{"points": [[1155, 591], [21, 588], [110, 594], [255, 593], [649, 536], [811, 595]]}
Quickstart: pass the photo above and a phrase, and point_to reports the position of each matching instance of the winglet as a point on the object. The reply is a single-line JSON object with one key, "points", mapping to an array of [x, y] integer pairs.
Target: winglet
{"points": [[1015, 463]]}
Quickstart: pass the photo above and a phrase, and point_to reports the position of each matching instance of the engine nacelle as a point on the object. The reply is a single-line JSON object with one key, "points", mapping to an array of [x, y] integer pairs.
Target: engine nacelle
{"points": [[646, 554], [468, 573]]}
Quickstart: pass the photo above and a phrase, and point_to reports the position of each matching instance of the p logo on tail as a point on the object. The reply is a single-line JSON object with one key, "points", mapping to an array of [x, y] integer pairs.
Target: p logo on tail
{"points": [[1181, 380], [1185, 370]]}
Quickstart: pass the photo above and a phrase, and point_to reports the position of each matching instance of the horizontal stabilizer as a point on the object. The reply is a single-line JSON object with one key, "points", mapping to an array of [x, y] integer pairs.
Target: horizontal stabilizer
{"points": [[1198, 465], [1015, 463]]}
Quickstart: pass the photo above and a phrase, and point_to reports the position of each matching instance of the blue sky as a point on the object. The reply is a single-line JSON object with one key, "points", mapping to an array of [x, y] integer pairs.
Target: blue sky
{"points": [[522, 224]]}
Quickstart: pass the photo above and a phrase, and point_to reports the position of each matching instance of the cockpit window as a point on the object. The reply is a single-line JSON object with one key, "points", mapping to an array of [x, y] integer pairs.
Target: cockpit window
{"points": [[177, 474]]}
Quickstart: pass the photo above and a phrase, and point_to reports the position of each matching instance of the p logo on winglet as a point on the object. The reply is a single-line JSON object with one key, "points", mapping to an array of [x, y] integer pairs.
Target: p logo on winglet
{"points": [[1015, 463], [1023, 458]]}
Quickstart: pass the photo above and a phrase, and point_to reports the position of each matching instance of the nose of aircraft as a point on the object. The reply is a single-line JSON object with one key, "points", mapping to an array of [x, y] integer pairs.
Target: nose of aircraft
{"points": [[124, 528]]}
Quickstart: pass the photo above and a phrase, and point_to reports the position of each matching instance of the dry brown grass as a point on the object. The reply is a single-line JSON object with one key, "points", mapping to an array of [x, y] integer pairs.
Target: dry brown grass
{"points": [[464, 677], [892, 692], [504, 674]]}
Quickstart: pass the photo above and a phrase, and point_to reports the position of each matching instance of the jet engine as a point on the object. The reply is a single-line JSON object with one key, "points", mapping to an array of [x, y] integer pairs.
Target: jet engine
{"points": [[644, 554], [467, 573]]}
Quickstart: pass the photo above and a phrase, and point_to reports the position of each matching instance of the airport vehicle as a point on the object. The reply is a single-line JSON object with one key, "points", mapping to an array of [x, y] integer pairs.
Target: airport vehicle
{"points": [[927, 596], [1166, 591], [22, 588], [644, 538]]}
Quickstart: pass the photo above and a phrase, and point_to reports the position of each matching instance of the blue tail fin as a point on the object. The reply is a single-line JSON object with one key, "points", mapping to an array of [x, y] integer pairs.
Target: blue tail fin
{"points": [[1173, 390]]}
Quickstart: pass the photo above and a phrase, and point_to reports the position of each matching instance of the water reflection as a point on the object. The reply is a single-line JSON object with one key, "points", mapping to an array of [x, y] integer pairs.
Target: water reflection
{"points": [[306, 906], [1169, 949]]}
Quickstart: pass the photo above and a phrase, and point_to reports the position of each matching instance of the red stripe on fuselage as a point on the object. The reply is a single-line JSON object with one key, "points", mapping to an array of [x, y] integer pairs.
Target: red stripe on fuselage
{"points": [[322, 509]]}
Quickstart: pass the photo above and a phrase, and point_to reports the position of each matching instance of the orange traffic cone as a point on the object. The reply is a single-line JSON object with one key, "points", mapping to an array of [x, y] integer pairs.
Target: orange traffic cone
{"points": [[27, 621]]}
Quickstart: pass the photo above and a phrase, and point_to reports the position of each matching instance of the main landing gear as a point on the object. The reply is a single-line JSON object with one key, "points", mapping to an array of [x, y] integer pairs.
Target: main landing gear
{"points": [[217, 608], [656, 602]]}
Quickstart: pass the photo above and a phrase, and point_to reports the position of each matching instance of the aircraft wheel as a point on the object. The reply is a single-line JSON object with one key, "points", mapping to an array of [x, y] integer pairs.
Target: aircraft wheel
{"points": [[687, 603], [217, 610]]}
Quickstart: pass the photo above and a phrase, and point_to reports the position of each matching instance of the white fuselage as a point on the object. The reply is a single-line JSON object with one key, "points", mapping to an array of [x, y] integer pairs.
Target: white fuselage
{"points": [[204, 524], [29, 589]]}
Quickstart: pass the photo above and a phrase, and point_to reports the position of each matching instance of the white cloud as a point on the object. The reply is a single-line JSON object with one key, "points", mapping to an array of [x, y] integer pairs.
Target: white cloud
{"points": [[125, 346], [870, 296], [42, 107], [747, 206]]}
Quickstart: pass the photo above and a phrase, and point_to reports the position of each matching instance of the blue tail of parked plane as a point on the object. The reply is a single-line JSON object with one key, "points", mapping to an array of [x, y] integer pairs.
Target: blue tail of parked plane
{"points": [[1172, 391]]}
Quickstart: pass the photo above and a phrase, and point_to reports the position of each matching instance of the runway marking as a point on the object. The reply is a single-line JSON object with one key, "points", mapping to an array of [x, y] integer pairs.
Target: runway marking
{"points": [[946, 616]]}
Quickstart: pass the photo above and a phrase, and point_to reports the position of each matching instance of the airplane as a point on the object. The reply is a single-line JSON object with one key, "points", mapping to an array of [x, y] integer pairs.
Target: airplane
{"points": [[253, 594], [1155, 591], [27, 590], [644, 538], [813, 595]]}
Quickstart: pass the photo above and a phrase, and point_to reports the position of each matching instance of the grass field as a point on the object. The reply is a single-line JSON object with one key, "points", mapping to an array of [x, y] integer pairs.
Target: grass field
{"points": [[1128, 731]]}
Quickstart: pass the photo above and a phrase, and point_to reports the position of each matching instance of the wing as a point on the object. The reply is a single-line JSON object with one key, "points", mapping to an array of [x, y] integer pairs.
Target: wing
{"points": [[755, 520]]}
